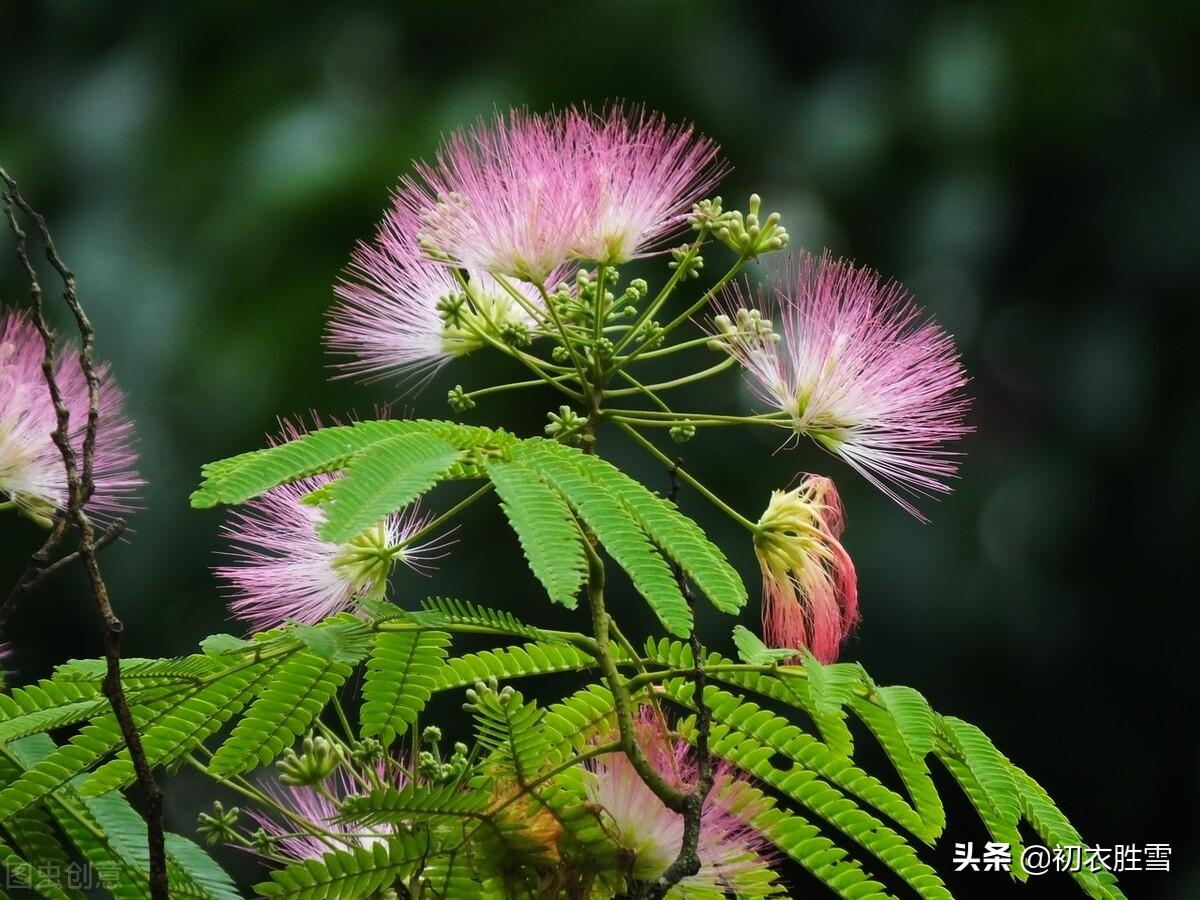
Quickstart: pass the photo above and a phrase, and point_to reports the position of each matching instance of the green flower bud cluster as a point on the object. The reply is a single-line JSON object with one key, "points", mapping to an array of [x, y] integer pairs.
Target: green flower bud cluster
{"points": [[484, 689], [515, 334], [687, 260], [219, 826], [453, 310], [430, 767], [566, 425], [366, 752], [316, 763], [747, 325], [706, 214], [681, 434], [458, 399], [602, 351], [749, 235]]}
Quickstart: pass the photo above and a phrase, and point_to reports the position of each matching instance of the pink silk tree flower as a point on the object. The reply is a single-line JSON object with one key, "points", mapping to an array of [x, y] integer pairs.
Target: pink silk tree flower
{"points": [[401, 313], [640, 175], [733, 855], [32, 476], [283, 571], [810, 589], [502, 197], [856, 368], [318, 805]]}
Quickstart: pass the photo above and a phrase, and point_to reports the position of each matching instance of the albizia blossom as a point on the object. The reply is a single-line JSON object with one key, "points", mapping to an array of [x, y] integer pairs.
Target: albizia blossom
{"points": [[810, 589], [733, 855], [32, 475], [501, 197], [401, 313], [856, 367], [640, 175], [318, 805], [282, 570], [523, 195]]}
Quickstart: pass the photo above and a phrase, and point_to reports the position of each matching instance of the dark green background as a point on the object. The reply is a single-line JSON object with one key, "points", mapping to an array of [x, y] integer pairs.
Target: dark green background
{"points": [[1031, 170]]}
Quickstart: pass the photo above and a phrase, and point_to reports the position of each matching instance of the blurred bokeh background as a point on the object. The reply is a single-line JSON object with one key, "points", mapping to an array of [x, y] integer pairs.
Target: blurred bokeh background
{"points": [[1030, 170]]}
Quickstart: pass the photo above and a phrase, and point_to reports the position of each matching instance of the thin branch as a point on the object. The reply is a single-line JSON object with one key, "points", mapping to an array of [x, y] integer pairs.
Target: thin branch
{"points": [[36, 574], [688, 861], [79, 491]]}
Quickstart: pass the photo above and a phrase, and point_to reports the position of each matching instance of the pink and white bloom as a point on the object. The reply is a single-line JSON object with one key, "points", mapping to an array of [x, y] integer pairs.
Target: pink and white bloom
{"points": [[857, 369], [640, 175], [320, 806], [501, 197], [733, 855], [283, 571], [524, 195], [402, 313], [32, 475], [810, 588]]}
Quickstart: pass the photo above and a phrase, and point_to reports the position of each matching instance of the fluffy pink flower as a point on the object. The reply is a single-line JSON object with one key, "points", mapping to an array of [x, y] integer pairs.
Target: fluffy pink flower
{"points": [[640, 175], [857, 369], [502, 198], [283, 571], [524, 194], [313, 804], [733, 855], [401, 313], [810, 589], [32, 476]]}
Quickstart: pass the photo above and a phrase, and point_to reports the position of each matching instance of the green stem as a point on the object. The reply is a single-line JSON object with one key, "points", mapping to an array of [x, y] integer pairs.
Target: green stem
{"points": [[673, 798], [567, 342], [705, 298], [676, 382], [674, 348], [670, 464], [533, 382], [654, 305], [440, 520]]}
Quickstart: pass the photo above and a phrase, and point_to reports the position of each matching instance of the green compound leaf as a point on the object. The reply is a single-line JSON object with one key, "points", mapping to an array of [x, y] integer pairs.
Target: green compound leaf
{"points": [[617, 530], [549, 535], [297, 692], [239, 478], [180, 727], [681, 539], [404, 670], [382, 479], [752, 650], [354, 873]]}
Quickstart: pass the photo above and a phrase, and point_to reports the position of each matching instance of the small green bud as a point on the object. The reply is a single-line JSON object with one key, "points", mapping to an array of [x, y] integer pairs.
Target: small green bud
{"points": [[459, 400], [688, 260], [566, 425], [516, 334], [706, 214], [316, 762], [366, 752], [751, 235], [431, 734], [261, 842], [453, 309], [560, 354], [681, 434], [219, 826]]}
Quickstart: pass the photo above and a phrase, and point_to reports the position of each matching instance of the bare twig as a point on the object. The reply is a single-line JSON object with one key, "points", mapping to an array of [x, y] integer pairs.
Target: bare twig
{"points": [[688, 861], [79, 491]]}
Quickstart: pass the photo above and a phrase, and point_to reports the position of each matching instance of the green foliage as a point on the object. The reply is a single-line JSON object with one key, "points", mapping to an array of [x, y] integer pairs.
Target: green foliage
{"points": [[540, 516], [387, 476], [294, 696], [603, 511], [404, 670], [352, 873]]}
